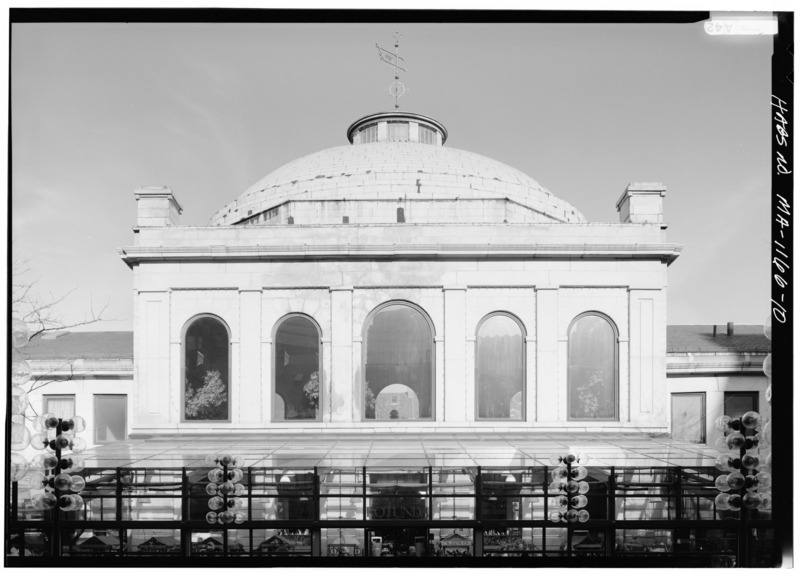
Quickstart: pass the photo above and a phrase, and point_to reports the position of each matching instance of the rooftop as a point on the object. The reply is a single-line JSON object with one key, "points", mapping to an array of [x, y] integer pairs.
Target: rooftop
{"points": [[701, 338], [102, 345], [111, 345]]}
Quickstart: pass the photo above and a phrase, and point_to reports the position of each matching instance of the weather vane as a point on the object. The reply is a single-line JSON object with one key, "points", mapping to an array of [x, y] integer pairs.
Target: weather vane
{"points": [[397, 89]]}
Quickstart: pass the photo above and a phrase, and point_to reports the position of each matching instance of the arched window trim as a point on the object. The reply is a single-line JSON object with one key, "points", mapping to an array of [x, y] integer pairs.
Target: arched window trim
{"points": [[364, 326], [273, 385], [524, 333], [185, 330], [615, 330]]}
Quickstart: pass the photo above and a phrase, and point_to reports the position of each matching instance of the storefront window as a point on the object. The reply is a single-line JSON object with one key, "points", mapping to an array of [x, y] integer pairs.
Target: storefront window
{"points": [[592, 368], [343, 542], [500, 368], [206, 370], [398, 365], [297, 370]]}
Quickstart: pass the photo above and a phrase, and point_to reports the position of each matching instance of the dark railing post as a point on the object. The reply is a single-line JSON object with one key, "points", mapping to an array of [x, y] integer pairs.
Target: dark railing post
{"points": [[123, 533], [430, 495], [545, 488], [679, 494], [250, 494], [316, 532], [611, 512], [55, 536], [478, 494], [186, 504], [743, 545], [364, 493], [14, 501], [569, 504], [225, 508]]}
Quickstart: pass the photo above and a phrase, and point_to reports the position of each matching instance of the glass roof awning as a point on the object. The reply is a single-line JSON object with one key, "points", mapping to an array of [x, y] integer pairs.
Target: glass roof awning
{"points": [[406, 450]]}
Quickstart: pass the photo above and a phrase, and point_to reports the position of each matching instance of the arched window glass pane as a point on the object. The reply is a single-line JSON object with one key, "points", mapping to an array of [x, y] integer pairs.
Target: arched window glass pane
{"points": [[500, 369], [592, 369], [206, 372], [297, 379], [398, 368]]}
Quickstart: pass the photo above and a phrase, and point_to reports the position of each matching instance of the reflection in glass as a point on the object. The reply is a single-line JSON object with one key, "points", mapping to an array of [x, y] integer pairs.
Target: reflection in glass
{"points": [[500, 369], [206, 370], [592, 368], [297, 371], [398, 349]]}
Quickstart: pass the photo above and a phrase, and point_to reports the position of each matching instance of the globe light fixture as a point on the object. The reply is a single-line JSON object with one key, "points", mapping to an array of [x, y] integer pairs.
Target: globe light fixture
{"points": [[224, 489], [53, 475], [745, 481], [570, 488]]}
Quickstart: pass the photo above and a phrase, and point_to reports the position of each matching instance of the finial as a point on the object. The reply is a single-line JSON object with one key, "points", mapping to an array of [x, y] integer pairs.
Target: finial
{"points": [[397, 89]]}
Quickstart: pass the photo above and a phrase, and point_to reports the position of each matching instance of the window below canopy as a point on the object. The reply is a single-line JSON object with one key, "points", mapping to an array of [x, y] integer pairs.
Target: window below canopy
{"points": [[206, 371], [297, 370], [592, 375], [398, 365], [500, 368]]}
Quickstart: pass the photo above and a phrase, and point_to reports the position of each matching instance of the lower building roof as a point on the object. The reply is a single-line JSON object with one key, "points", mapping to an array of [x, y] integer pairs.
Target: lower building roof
{"points": [[109, 345], [101, 345], [715, 339]]}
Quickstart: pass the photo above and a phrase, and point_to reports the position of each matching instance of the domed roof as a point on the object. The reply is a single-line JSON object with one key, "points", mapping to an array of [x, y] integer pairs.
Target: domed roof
{"points": [[387, 170]]}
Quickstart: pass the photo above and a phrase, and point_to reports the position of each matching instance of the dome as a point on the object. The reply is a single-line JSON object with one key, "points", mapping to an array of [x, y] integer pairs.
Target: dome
{"points": [[396, 162]]}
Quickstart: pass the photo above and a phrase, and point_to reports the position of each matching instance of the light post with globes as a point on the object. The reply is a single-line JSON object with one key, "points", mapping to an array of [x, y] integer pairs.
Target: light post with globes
{"points": [[570, 488], [53, 472], [746, 482], [50, 478], [225, 491]]}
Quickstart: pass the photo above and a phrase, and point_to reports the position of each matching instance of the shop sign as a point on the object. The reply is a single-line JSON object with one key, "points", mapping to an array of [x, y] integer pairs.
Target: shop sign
{"points": [[501, 536]]}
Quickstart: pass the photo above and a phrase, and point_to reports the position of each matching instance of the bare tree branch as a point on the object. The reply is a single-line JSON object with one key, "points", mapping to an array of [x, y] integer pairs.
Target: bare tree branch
{"points": [[41, 313]]}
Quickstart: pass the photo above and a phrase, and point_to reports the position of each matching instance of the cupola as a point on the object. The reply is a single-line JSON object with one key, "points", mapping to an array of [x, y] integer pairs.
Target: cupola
{"points": [[396, 126]]}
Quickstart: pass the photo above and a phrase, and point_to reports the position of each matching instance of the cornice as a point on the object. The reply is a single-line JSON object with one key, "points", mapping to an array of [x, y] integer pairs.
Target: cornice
{"points": [[665, 252]]}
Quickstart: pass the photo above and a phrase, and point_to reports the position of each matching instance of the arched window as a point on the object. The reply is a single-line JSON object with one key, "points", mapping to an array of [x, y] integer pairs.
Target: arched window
{"points": [[206, 367], [398, 364], [500, 368], [592, 376], [297, 370]]}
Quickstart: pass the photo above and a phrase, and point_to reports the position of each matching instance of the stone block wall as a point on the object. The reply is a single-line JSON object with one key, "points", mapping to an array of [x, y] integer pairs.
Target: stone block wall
{"points": [[250, 297]]}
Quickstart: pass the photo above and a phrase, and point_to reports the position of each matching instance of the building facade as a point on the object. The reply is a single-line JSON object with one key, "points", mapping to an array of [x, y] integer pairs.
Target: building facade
{"points": [[409, 351], [396, 283], [88, 374]]}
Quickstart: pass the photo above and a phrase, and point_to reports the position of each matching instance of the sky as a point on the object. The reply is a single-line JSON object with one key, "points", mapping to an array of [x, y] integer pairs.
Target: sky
{"points": [[98, 110]]}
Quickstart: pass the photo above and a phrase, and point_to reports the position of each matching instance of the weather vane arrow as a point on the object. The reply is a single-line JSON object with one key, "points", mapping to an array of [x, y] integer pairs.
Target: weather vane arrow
{"points": [[397, 89]]}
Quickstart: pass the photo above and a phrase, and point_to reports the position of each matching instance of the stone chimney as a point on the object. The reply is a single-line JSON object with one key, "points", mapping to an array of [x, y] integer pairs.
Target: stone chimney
{"points": [[642, 203], [156, 207]]}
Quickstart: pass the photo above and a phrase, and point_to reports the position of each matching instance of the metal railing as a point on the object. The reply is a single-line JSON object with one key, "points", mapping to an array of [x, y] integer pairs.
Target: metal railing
{"points": [[635, 512]]}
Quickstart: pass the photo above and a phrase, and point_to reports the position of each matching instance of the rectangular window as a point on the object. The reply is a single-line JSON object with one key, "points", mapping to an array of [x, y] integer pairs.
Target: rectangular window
{"points": [[398, 131], [110, 415], [427, 135], [62, 405], [738, 403], [369, 134], [689, 417]]}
